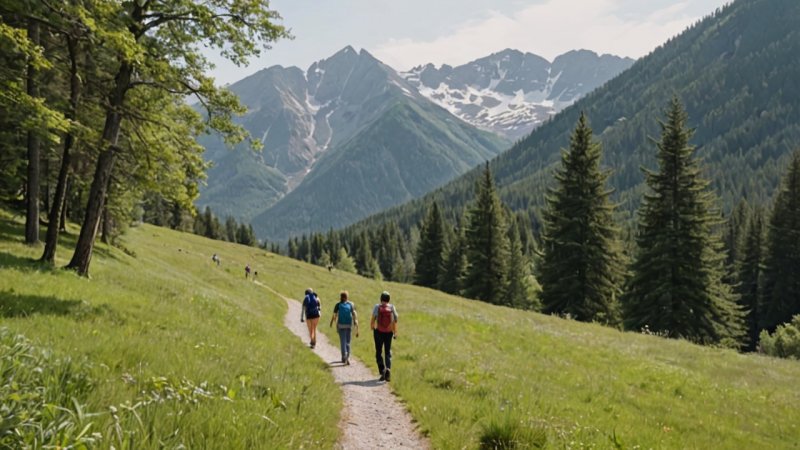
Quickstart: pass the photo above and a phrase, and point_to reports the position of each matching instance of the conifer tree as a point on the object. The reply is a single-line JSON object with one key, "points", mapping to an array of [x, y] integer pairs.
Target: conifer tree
{"points": [[581, 268], [487, 244], [451, 279], [782, 272], [519, 293], [676, 287], [750, 278], [429, 251]]}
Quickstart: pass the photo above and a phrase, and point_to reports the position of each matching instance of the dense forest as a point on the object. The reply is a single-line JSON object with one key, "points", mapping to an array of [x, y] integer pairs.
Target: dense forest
{"points": [[94, 108]]}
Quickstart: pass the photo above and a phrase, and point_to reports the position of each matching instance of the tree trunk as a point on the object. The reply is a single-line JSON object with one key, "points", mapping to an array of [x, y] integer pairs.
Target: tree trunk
{"points": [[105, 237], [105, 163], [32, 191], [62, 227], [57, 212]]}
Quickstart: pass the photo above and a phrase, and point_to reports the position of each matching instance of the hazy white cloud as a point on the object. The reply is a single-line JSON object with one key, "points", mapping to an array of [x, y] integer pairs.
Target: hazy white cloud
{"points": [[547, 29]]}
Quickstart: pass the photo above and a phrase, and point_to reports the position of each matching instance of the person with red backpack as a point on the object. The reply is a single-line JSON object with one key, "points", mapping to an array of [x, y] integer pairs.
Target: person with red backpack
{"points": [[311, 311], [384, 329]]}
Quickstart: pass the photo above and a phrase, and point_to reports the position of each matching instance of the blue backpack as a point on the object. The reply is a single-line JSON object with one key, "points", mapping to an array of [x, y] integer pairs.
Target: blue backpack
{"points": [[345, 313], [312, 307]]}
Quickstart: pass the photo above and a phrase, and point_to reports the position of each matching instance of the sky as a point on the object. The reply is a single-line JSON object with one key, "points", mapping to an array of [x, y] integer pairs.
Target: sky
{"points": [[407, 33]]}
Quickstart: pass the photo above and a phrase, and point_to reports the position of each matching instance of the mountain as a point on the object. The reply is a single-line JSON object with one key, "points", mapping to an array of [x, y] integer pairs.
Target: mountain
{"points": [[510, 92], [350, 136], [736, 72], [346, 138]]}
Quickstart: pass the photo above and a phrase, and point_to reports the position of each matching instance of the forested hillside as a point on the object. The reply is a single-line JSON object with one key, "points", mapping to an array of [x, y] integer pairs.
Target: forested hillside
{"points": [[736, 73]]}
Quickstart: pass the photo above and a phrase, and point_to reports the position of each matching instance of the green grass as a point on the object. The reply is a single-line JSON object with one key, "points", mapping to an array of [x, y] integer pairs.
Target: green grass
{"points": [[178, 351], [473, 375]]}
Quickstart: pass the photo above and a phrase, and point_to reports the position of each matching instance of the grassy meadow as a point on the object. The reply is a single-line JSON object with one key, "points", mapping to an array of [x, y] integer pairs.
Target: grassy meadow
{"points": [[177, 351], [157, 313]]}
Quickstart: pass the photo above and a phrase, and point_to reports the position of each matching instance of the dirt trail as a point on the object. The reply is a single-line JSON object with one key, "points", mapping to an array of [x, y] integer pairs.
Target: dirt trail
{"points": [[372, 416]]}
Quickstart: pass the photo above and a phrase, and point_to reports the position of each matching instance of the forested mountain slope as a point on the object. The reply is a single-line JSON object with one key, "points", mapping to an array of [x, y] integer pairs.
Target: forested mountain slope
{"points": [[736, 72]]}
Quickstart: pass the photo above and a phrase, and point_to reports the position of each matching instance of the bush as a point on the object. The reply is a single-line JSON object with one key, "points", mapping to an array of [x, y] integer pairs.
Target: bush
{"points": [[784, 342]]}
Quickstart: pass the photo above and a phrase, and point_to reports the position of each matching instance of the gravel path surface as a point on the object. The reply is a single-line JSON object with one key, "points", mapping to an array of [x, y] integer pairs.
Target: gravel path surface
{"points": [[372, 416]]}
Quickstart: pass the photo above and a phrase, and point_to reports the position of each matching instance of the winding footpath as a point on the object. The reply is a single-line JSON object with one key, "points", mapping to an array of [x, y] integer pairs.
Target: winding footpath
{"points": [[372, 416]]}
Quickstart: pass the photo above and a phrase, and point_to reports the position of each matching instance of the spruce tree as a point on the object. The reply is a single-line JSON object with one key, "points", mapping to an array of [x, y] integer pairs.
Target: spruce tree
{"points": [[519, 292], [782, 272], [430, 248], [487, 244], [451, 278], [750, 278], [580, 272], [676, 287]]}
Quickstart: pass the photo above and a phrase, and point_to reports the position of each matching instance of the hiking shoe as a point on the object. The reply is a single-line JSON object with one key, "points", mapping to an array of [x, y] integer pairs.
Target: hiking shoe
{"points": [[387, 375], [347, 361], [383, 376]]}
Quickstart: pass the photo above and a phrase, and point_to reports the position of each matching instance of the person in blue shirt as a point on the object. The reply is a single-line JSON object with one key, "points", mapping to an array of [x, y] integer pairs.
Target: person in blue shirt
{"points": [[344, 314]]}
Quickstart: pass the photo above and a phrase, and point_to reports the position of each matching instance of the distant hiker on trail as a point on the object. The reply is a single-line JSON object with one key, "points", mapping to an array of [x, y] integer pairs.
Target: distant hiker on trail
{"points": [[384, 328], [215, 258], [344, 314], [247, 271], [311, 311]]}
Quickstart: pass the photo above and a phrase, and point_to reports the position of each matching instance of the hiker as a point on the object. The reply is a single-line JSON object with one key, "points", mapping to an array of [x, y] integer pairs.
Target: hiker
{"points": [[311, 312], [384, 328], [344, 314], [247, 271]]}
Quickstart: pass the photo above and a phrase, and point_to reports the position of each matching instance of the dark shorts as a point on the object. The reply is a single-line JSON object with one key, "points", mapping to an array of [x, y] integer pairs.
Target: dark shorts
{"points": [[312, 316]]}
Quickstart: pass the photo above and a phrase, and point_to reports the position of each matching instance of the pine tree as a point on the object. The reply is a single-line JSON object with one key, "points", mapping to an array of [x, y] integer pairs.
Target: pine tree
{"points": [[782, 272], [451, 279], [487, 244], [750, 277], [581, 267], [519, 293], [429, 251], [676, 287]]}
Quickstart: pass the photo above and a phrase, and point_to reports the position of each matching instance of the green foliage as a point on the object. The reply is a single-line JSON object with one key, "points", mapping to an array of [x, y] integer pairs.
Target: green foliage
{"points": [[676, 286], [429, 250], [43, 397], [784, 342], [487, 245], [344, 262], [782, 272], [581, 268], [520, 290], [750, 285]]}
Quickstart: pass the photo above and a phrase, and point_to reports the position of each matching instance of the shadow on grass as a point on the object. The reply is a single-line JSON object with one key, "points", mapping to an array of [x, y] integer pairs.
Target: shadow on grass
{"points": [[23, 305]]}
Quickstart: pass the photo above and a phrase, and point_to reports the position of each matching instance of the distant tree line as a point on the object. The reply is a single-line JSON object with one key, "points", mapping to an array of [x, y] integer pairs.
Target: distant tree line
{"points": [[94, 108], [680, 269]]}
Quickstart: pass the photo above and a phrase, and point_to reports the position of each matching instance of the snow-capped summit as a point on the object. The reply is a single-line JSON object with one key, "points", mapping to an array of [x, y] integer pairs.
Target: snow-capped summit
{"points": [[510, 92]]}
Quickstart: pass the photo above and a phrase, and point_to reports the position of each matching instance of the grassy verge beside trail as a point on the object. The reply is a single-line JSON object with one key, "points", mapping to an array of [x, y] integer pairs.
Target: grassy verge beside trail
{"points": [[476, 375], [160, 349]]}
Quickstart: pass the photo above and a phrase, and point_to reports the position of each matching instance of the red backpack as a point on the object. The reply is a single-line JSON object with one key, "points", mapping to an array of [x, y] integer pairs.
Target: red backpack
{"points": [[385, 318]]}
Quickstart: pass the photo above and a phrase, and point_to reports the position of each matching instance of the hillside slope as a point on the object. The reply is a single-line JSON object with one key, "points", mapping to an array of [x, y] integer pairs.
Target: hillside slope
{"points": [[182, 350], [410, 150], [736, 73], [465, 369]]}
